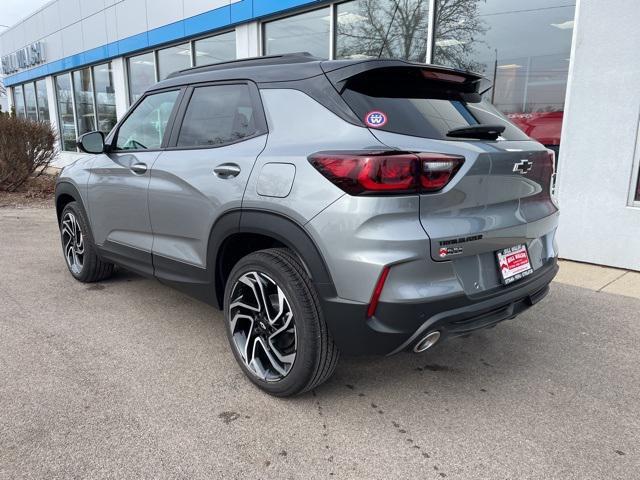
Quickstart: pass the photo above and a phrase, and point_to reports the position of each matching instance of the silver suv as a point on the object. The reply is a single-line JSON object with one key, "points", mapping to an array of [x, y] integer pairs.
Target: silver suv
{"points": [[355, 206]]}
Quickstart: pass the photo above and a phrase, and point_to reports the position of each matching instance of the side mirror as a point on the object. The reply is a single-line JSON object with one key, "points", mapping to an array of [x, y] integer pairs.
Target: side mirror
{"points": [[92, 142]]}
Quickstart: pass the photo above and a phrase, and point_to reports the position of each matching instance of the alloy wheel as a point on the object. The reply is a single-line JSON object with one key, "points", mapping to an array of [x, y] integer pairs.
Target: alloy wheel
{"points": [[262, 326], [73, 243]]}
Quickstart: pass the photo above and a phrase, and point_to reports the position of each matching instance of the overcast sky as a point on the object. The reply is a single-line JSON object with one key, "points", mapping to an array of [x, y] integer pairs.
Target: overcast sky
{"points": [[12, 11]]}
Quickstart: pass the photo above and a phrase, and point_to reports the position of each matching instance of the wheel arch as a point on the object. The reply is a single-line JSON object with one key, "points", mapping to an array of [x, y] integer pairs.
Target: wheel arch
{"points": [[66, 193], [263, 229]]}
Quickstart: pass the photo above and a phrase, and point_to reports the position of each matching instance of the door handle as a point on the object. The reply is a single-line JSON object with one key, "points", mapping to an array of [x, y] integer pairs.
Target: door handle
{"points": [[227, 170], [138, 168]]}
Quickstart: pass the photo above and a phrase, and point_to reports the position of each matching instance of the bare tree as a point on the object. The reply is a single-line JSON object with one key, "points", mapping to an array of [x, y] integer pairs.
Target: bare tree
{"points": [[362, 30], [459, 34]]}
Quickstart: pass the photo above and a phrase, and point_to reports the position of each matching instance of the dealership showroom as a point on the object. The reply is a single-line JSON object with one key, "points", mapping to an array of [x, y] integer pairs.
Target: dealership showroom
{"points": [[566, 72]]}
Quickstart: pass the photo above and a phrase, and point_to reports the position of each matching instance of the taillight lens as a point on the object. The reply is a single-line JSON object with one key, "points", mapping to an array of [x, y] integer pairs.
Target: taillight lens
{"points": [[376, 173]]}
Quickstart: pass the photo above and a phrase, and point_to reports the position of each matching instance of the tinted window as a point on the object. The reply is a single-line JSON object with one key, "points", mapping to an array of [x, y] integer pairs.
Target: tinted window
{"points": [[105, 97], [173, 59], [523, 47], [217, 115], [43, 102], [363, 25], [145, 127], [307, 32], [30, 101], [413, 105], [66, 123], [142, 74], [215, 49], [83, 93], [18, 101]]}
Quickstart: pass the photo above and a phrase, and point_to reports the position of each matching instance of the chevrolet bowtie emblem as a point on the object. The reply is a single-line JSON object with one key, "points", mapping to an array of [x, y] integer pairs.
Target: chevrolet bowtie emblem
{"points": [[523, 167]]}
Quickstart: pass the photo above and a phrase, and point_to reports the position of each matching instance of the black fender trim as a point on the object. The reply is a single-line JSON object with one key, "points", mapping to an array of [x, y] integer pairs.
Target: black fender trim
{"points": [[67, 188], [291, 234], [277, 226]]}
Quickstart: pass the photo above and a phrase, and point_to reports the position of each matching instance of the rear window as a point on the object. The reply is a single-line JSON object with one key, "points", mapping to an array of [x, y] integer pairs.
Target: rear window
{"points": [[406, 101]]}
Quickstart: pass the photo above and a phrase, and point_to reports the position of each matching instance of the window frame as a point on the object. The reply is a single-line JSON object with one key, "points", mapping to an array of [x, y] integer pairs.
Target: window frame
{"points": [[112, 139], [256, 102]]}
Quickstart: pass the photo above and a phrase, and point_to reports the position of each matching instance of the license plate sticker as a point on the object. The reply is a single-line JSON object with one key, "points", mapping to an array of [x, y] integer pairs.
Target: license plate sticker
{"points": [[514, 263]]}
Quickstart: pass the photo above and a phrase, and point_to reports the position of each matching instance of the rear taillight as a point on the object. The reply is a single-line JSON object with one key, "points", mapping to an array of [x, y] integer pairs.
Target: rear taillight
{"points": [[379, 173]]}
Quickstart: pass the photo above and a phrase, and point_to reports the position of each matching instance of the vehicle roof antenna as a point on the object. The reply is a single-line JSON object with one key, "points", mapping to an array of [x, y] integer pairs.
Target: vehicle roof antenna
{"points": [[386, 36]]}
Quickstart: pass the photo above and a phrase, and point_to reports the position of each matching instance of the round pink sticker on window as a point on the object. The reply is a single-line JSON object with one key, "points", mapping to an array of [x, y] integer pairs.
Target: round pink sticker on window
{"points": [[375, 119]]}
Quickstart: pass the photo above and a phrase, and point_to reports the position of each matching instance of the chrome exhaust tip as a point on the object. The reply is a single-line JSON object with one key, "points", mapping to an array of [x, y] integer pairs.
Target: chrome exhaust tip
{"points": [[428, 341]]}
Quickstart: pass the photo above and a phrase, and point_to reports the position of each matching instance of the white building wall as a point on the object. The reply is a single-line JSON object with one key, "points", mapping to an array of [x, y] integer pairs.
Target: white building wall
{"points": [[248, 40], [73, 26], [600, 144]]}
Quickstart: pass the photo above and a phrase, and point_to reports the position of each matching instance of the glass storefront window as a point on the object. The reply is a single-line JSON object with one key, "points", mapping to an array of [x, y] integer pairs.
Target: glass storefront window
{"points": [[361, 28], [18, 101], [43, 101], [523, 49], [220, 48], [142, 74], [66, 123], [173, 59], [105, 97], [83, 94], [30, 101], [306, 32]]}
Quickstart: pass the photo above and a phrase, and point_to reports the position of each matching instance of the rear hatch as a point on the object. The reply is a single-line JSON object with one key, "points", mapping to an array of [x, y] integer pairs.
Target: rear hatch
{"points": [[499, 198]]}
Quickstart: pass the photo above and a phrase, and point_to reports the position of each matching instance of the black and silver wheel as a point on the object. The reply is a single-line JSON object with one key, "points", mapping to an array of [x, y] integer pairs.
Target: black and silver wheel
{"points": [[262, 326], [275, 325], [72, 243], [78, 248]]}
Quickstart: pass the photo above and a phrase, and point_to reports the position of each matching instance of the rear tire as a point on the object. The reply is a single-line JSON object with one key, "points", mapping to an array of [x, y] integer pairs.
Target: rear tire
{"points": [[78, 248], [275, 325]]}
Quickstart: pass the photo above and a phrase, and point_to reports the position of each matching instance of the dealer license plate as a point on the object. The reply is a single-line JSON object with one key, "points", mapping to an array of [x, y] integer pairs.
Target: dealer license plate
{"points": [[514, 263]]}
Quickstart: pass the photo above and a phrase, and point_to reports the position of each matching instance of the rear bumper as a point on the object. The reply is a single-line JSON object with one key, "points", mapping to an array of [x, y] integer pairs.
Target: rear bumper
{"points": [[399, 326]]}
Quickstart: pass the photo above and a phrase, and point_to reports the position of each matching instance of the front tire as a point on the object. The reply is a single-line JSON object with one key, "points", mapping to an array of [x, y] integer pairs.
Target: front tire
{"points": [[80, 252], [275, 325]]}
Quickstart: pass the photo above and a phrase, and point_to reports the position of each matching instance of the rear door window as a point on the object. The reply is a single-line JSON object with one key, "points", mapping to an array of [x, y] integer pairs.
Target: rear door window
{"points": [[403, 101], [218, 115]]}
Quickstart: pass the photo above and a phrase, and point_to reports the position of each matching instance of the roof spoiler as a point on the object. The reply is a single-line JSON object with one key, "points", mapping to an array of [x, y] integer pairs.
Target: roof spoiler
{"points": [[462, 81]]}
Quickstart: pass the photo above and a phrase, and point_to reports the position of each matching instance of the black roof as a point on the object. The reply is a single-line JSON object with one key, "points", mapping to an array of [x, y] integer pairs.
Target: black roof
{"points": [[286, 68]]}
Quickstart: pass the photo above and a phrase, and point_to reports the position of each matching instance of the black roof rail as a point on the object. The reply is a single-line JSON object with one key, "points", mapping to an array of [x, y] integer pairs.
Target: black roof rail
{"points": [[284, 59]]}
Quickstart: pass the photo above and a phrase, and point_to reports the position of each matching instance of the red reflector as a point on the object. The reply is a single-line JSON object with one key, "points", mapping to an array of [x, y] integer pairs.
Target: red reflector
{"points": [[373, 304], [362, 173]]}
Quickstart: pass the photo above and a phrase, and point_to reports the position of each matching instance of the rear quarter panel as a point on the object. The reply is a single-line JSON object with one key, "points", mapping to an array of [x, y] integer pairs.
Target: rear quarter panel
{"points": [[298, 127]]}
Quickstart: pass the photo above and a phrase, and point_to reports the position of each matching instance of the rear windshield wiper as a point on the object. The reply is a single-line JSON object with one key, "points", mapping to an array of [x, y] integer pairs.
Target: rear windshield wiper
{"points": [[482, 131]]}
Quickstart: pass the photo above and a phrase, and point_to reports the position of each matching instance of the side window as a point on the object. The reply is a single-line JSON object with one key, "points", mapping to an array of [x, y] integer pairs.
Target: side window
{"points": [[145, 127], [217, 115]]}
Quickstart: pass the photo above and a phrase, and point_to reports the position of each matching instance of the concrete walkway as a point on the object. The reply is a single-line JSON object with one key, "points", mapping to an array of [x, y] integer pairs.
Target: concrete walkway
{"points": [[599, 278]]}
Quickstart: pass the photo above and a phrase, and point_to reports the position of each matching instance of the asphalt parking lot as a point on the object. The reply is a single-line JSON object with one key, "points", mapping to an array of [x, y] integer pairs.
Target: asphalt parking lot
{"points": [[130, 379]]}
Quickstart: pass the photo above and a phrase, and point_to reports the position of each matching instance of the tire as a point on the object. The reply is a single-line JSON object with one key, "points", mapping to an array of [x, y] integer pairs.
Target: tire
{"points": [[78, 248], [262, 341]]}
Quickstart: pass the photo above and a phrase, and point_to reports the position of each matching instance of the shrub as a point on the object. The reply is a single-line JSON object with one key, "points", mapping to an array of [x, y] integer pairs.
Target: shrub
{"points": [[26, 147]]}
